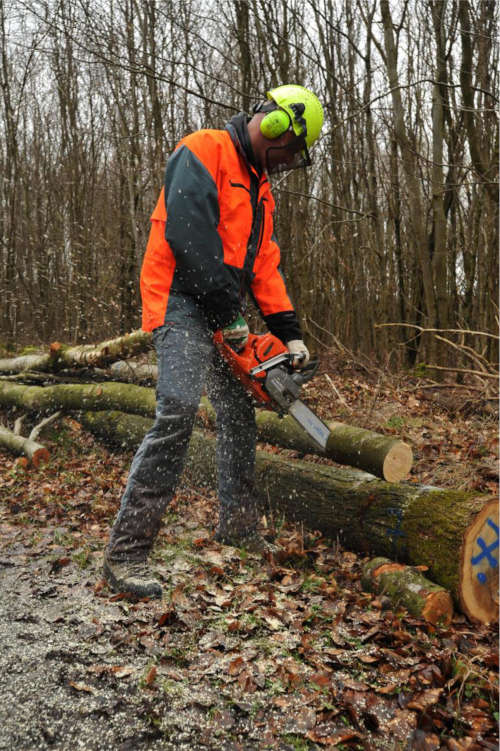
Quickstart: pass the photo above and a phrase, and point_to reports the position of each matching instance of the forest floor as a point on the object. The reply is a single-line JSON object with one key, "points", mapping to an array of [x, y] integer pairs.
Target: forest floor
{"points": [[241, 654]]}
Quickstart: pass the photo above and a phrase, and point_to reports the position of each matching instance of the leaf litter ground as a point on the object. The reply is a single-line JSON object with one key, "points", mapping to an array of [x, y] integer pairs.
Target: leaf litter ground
{"points": [[241, 653]]}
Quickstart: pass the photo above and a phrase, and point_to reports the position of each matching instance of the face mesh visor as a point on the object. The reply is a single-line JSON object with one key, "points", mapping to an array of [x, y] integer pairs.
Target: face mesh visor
{"points": [[284, 158]]}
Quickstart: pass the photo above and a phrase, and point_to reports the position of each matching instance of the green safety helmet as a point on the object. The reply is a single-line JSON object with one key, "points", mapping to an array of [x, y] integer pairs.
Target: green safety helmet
{"points": [[291, 107], [302, 106]]}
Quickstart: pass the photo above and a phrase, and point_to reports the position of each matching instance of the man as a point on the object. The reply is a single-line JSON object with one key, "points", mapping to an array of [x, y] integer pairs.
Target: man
{"points": [[211, 242]]}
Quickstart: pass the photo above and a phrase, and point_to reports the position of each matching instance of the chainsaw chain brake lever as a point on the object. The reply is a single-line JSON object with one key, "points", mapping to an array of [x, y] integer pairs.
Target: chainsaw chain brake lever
{"points": [[306, 373]]}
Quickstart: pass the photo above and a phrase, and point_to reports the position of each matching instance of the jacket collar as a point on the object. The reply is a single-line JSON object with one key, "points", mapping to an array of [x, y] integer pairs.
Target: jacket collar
{"points": [[237, 128]]}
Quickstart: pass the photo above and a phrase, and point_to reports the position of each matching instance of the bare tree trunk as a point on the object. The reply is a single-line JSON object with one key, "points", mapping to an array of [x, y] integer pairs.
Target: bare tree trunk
{"points": [[439, 265], [417, 213]]}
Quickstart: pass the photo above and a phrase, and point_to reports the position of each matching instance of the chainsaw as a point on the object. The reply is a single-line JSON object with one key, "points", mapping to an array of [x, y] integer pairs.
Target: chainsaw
{"points": [[265, 368]]}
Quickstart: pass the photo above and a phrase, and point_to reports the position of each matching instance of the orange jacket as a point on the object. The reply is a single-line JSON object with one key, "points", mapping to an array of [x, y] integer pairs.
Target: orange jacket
{"points": [[212, 236]]}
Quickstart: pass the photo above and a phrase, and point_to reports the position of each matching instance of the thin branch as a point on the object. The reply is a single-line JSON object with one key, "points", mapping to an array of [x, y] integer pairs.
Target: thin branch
{"points": [[362, 214], [18, 425], [478, 373], [38, 428], [441, 331]]}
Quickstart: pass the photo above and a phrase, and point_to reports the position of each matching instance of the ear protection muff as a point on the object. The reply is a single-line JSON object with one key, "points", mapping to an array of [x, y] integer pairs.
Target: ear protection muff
{"points": [[275, 123]]}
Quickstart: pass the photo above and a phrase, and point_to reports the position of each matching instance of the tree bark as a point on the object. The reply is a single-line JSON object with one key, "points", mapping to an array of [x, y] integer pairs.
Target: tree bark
{"points": [[383, 456], [409, 163], [452, 532], [405, 585], [438, 255]]}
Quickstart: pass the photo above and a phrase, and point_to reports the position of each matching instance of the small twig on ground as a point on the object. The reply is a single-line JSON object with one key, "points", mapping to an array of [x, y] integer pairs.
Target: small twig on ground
{"points": [[446, 386], [374, 401], [337, 392]]}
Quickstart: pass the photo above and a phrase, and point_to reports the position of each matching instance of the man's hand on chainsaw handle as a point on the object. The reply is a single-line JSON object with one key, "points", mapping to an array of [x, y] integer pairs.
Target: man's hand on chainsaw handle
{"points": [[236, 333], [299, 351]]}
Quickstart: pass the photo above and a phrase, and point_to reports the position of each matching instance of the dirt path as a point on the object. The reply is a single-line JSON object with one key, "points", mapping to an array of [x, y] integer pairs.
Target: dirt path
{"points": [[47, 633]]}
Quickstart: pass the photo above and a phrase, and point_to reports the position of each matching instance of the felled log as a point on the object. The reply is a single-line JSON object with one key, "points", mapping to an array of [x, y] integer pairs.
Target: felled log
{"points": [[83, 355], [76, 396], [406, 586], [380, 455], [21, 446], [452, 532]]}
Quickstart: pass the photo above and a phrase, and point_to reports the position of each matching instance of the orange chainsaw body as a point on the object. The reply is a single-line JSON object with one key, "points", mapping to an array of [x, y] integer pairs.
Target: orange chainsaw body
{"points": [[258, 349]]}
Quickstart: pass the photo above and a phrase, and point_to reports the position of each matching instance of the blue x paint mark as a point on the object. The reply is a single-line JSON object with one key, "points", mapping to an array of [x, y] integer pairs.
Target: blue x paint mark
{"points": [[486, 552], [397, 531]]}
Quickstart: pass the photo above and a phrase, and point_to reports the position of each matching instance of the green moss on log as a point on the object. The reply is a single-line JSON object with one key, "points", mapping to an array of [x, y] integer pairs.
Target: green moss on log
{"points": [[75, 396], [406, 586]]}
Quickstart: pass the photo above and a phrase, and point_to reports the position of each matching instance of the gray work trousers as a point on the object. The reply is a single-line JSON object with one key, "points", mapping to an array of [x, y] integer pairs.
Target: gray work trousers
{"points": [[188, 361]]}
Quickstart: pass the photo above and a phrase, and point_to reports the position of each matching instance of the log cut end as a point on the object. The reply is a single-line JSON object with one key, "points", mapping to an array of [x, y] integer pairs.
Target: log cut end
{"points": [[438, 608], [479, 566], [398, 462]]}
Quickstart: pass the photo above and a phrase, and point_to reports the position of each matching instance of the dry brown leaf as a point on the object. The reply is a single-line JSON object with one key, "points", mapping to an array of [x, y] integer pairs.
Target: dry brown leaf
{"points": [[167, 617], [368, 659], [122, 671], [340, 736], [82, 687], [389, 689], [178, 598], [425, 699], [320, 679], [151, 676], [246, 682], [236, 666]]}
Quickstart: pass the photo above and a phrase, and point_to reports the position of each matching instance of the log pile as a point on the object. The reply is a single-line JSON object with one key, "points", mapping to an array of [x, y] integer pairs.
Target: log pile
{"points": [[453, 534], [383, 456], [442, 530]]}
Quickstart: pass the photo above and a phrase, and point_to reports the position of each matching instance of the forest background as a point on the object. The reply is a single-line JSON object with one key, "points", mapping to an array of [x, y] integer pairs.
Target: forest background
{"points": [[395, 223]]}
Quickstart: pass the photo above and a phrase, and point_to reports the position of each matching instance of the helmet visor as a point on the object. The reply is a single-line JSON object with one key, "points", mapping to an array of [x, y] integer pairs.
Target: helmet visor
{"points": [[293, 155]]}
